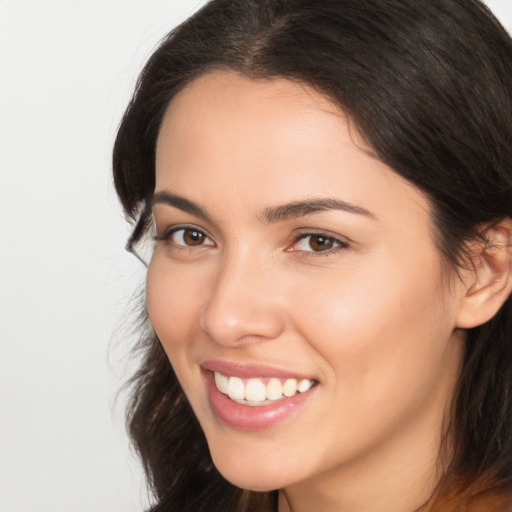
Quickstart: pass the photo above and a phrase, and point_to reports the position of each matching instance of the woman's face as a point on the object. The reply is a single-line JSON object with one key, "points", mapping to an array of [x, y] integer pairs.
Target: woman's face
{"points": [[290, 262]]}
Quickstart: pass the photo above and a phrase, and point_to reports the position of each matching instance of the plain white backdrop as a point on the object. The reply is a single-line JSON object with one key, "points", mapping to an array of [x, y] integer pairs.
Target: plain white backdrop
{"points": [[67, 69]]}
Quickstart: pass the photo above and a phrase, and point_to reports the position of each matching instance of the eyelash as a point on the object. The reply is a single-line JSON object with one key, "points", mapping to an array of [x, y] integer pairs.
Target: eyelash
{"points": [[337, 243], [167, 235]]}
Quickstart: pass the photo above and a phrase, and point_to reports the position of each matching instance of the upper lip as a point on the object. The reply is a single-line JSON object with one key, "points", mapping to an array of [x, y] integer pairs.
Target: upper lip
{"points": [[250, 370]]}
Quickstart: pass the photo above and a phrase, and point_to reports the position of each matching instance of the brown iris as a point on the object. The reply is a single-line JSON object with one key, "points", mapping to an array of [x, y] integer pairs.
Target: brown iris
{"points": [[320, 243], [193, 237]]}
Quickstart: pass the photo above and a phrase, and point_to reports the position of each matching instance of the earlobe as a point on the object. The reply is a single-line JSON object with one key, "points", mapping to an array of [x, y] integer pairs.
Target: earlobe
{"points": [[488, 279]]}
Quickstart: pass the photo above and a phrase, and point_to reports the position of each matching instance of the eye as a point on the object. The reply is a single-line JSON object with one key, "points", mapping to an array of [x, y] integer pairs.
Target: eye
{"points": [[317, 243], [186, 237]]}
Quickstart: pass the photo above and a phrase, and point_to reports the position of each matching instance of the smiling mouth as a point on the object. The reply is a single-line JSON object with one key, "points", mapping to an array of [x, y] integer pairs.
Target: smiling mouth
{"points": [[260, 391]]}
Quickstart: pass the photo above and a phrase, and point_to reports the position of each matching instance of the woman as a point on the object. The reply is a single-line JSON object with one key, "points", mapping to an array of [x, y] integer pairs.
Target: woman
{"points": [[329, 187]]}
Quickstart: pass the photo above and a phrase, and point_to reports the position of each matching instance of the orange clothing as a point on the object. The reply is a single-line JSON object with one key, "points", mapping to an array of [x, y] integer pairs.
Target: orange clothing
{"points": [[479, 496]]}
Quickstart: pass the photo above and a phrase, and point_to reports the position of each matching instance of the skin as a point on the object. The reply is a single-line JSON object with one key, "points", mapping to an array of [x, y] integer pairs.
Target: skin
{"points": [[373, 319]]}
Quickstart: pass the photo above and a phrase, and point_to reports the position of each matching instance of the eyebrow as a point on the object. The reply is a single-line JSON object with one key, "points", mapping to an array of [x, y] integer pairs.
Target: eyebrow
{"points": [[180, 203], [310, 206], [272, 214]]}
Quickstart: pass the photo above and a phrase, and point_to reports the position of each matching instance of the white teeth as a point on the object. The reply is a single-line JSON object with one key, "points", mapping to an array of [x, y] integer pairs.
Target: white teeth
{"points": [[290, 387], [222, 382], [274, 389], [254, 392], [236, 388], [304, 385]]}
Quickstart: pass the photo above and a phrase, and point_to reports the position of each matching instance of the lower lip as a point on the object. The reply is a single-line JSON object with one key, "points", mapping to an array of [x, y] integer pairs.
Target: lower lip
{"points": [[246, 417]]}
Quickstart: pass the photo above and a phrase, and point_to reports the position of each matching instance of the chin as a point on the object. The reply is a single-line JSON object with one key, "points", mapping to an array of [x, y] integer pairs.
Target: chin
{"points": [[252, 472], [250, 480]]}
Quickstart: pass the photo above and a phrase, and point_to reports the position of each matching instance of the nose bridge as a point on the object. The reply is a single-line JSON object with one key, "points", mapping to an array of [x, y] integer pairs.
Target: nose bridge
{"points": [[241, 307]]}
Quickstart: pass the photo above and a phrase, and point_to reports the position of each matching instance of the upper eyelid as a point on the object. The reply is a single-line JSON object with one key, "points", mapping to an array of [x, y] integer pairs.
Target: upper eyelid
{"points": [[339, 239], [304, 232], [170, 218], [169, 230]]}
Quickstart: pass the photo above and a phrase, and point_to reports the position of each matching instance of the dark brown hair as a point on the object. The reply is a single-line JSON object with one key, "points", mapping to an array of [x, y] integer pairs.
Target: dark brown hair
{"points": [[427, 84]]}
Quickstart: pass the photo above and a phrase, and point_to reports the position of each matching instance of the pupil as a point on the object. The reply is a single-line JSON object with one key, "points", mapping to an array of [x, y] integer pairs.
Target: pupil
{"points": [[320, 243], [193, 237]]}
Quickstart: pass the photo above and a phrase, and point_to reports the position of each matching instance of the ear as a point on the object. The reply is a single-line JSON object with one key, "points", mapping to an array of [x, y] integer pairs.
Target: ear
{"points": [[488, 278]]}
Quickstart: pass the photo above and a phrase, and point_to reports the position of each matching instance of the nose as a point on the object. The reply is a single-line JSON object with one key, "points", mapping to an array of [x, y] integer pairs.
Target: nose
{"points": [[242, 306]]}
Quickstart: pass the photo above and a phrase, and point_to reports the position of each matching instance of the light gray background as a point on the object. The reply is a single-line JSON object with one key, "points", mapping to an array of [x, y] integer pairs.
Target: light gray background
{"points": [[67, 68]]}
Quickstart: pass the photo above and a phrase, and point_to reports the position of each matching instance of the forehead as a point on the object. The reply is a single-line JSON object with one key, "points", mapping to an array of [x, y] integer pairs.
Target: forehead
{"points": [[237, 107], [268, 142]]}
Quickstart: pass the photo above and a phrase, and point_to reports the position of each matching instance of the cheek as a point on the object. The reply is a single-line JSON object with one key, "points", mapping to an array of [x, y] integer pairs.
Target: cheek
{"points": [[389, 352], [173, 302], [381, 333]]}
